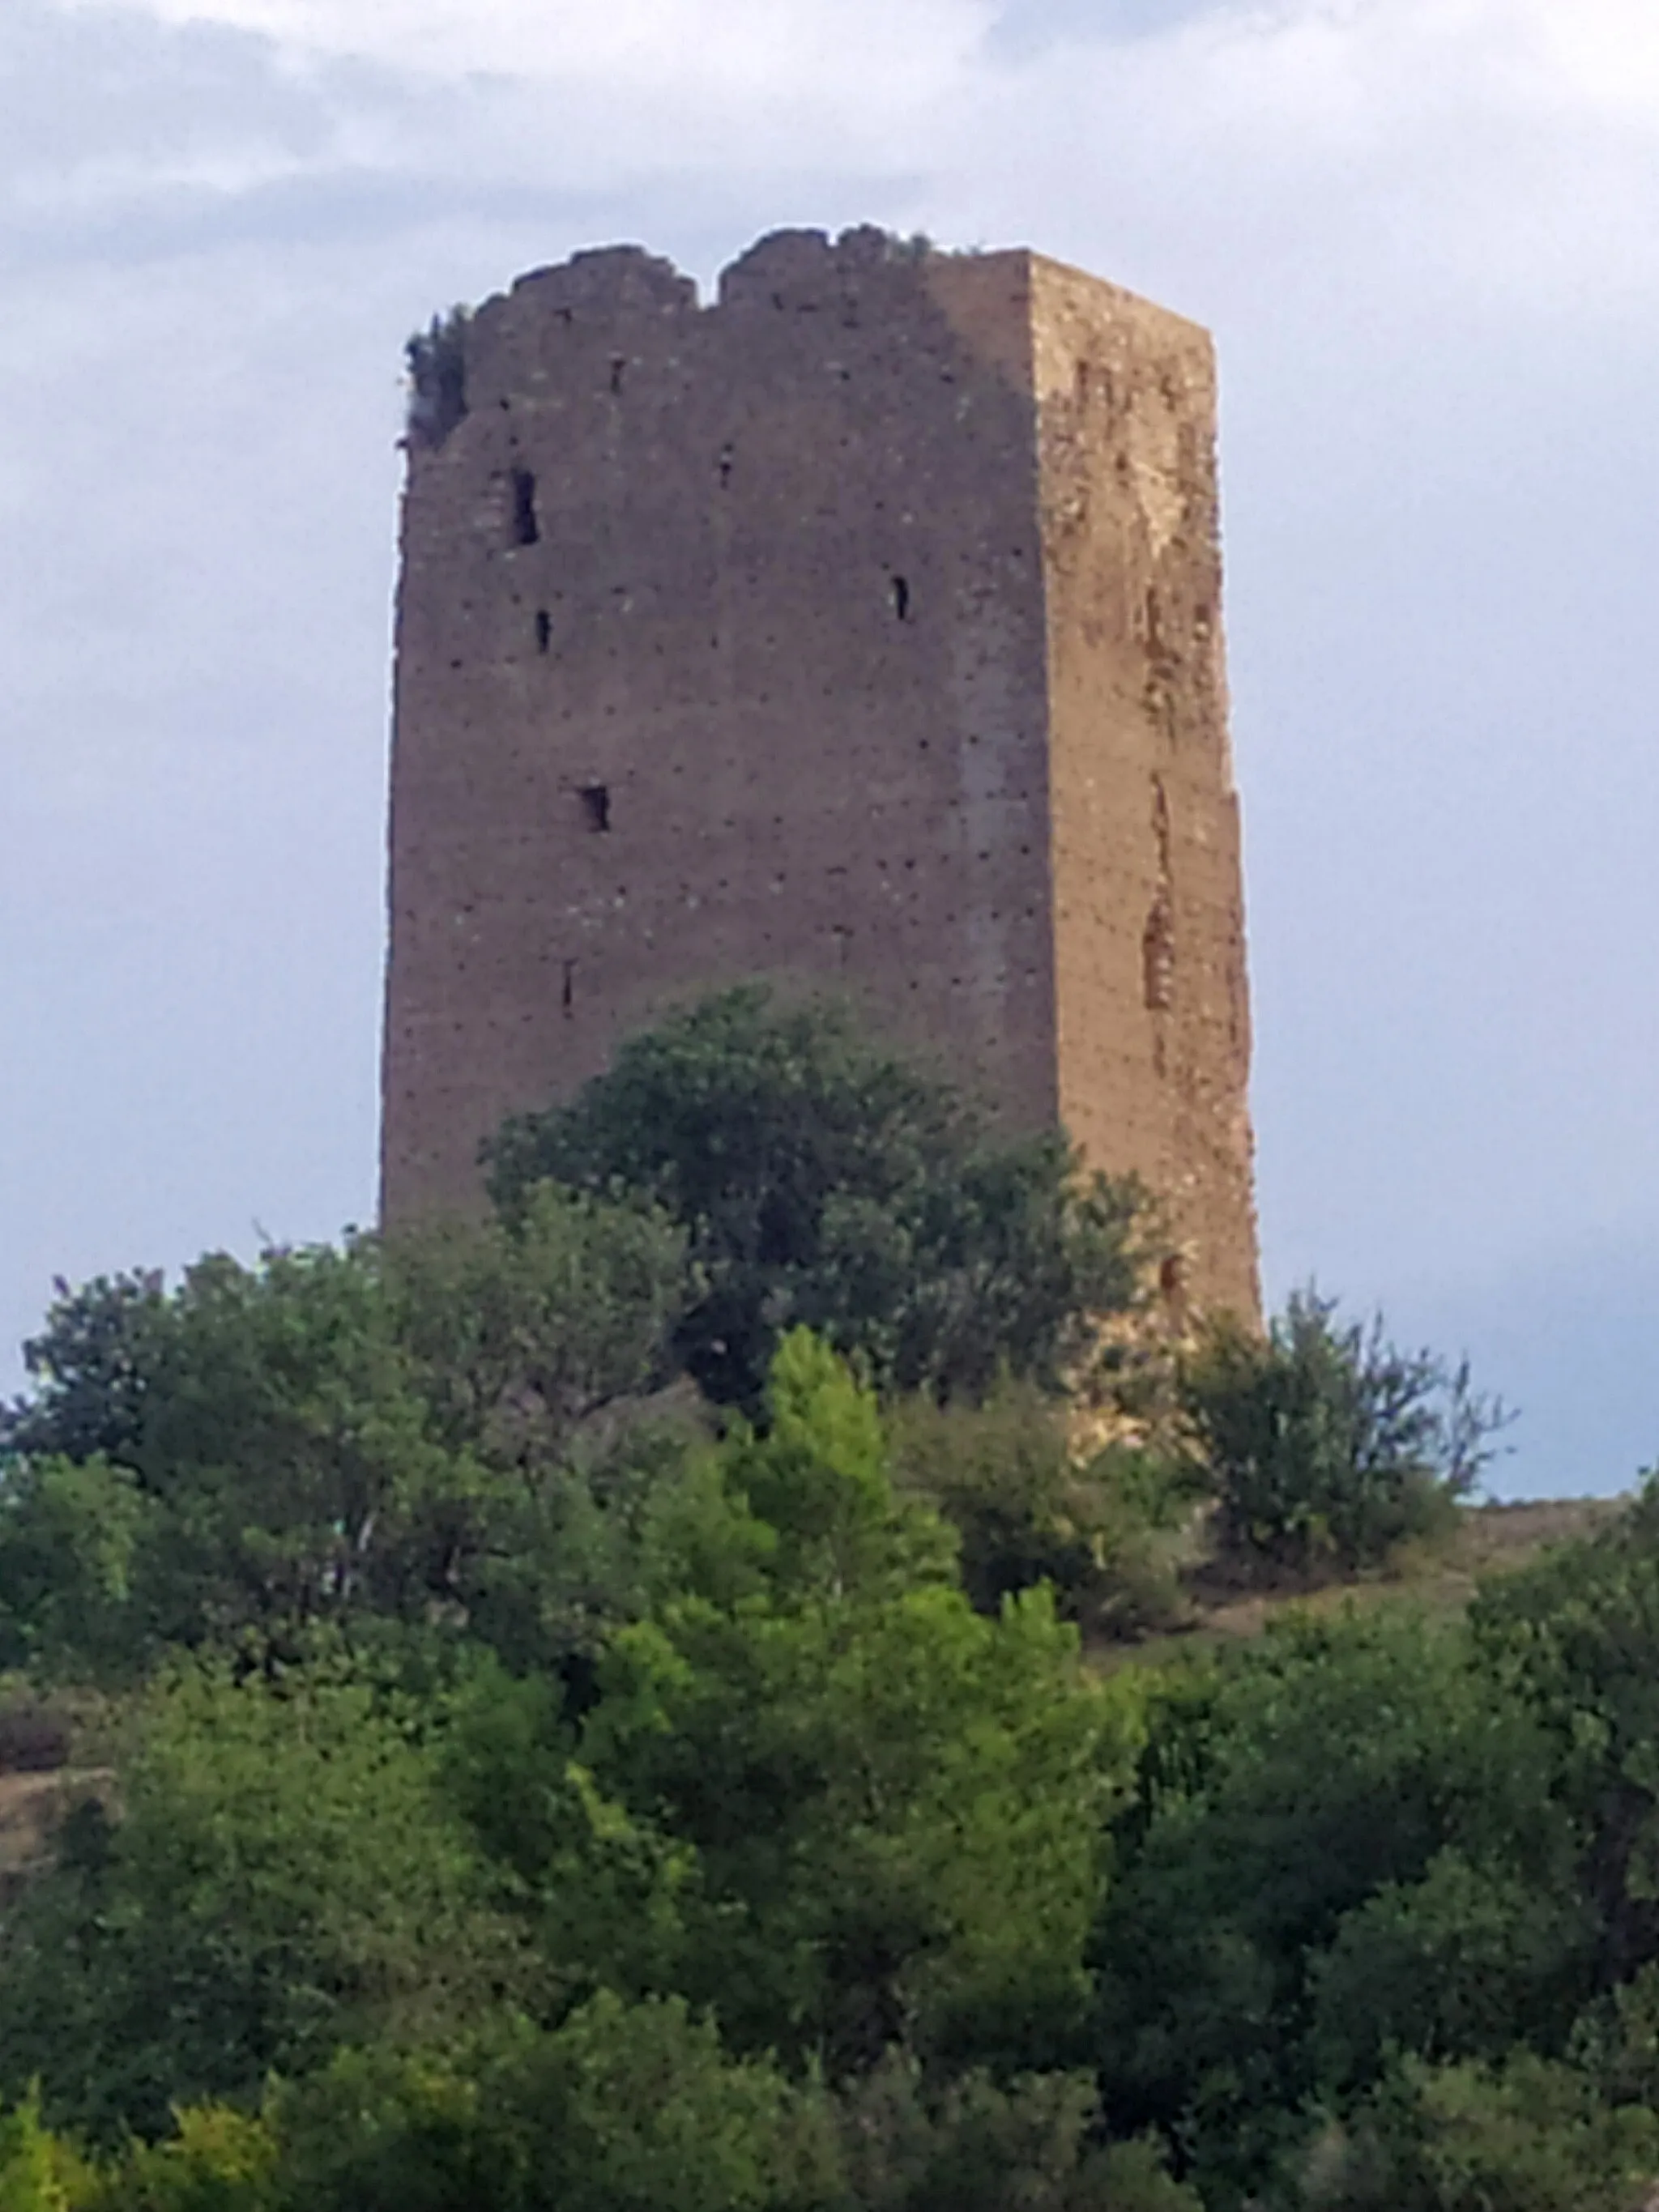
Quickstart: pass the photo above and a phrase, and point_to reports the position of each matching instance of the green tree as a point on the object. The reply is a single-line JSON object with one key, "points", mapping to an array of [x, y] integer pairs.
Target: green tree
{"points": [[895, 1810], [623, 2108], [282, 1877], [819, 1482], [335, 1435], [1526, 2137], [93, 1365], [1460, 1964], [267, 1417], [813, 1789], [518, 1339], [976, 2144], [823, 1183], [1347, 1843], [1577, 1636], [1327, 1447], [72, 1538], [38, 2173]]}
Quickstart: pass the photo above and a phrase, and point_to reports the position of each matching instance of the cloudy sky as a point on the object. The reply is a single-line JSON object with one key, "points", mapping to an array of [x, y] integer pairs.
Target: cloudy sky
{"points": [[1424, 232]]}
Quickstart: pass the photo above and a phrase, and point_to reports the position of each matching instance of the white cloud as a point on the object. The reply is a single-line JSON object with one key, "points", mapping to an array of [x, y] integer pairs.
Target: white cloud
{"points": [[739, 48], [1507, 147]]}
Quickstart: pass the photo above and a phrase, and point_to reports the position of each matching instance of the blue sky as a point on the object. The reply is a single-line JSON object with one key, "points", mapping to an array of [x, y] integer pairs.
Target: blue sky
{"points": [[1421, 230]]}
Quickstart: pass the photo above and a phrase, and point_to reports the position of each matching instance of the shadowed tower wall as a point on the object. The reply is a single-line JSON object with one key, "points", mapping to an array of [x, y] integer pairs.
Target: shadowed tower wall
{"points": [[860, 629]]}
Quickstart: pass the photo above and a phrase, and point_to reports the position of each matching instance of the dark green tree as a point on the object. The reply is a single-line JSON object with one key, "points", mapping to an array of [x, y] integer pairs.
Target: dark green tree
{"points": [[94, 1366], [623, 2108], [1577, 1636], [823, 1181], [1347, 1843]]}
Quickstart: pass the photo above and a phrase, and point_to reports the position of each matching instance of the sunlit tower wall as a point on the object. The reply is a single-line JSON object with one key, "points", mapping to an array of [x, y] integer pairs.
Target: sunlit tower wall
{"points": [[859, 629]]}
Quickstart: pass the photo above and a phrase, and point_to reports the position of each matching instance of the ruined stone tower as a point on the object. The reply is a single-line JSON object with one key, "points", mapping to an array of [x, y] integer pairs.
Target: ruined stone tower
{"points": [[862, 629]]}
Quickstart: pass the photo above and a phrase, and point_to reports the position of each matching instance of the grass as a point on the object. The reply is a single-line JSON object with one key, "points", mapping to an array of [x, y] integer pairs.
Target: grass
{"points": [[1489, 1539]]}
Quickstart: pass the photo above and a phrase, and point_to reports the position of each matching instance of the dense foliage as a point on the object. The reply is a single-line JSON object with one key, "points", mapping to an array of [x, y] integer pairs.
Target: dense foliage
{"points": [[1325, 1444], [823, 1181], [502, 1778]]}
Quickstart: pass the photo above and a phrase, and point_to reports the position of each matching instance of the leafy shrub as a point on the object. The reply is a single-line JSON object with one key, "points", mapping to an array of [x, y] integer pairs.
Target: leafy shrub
{"points": [[1104, 1530], [1327, 1447], [1526, 2137], [37, 2172], [218, 2160], [980, 2145]]}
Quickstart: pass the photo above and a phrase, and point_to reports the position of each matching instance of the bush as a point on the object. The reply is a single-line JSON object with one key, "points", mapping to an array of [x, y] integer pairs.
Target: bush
{"points": [[37, 2172], [1327, 1447], [1105, 1530], [1344, 1841], [983, 2146], [1527, 2136], [217, 2161], [624, 2108]]}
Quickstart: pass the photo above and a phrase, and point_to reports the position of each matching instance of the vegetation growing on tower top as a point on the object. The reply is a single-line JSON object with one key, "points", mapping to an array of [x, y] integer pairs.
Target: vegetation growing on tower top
{"points": [[435, 361]]}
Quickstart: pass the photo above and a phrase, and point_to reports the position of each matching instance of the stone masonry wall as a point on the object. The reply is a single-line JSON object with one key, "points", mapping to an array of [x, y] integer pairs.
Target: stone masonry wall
{"points": [[1152, 993], [766, 637]]}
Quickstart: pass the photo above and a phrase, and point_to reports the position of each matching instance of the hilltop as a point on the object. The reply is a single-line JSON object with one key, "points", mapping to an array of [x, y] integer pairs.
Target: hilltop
{"points": [[779, 1671]]}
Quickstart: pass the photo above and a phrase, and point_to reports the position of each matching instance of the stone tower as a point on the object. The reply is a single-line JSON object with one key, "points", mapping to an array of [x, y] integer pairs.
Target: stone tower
{"points": [[862, 629]]}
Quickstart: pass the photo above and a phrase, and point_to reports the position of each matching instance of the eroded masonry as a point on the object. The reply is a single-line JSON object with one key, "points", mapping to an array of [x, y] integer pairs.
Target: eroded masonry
{"points": [[862, 629]]}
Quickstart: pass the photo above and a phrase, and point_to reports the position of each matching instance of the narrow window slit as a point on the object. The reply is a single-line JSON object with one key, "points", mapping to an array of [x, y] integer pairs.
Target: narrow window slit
{"points": [[901, 598], [596, 805], [567, 989], [618, 363], [544, 630], [525, 528]]}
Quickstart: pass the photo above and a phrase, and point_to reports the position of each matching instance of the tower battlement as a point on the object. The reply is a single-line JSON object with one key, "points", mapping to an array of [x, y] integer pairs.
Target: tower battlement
{"points": [[860, 628]]}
